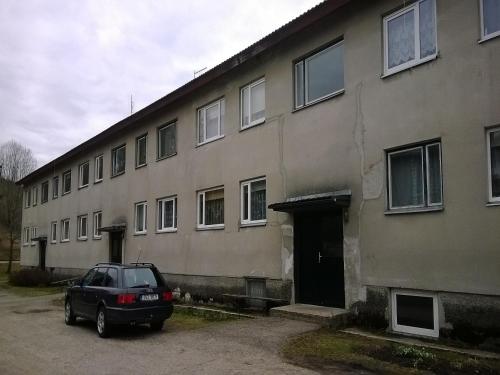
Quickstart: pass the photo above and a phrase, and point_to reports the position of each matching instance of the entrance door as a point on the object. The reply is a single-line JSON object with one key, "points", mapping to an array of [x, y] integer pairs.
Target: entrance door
{"points": [[319, 258], [115, 247], [42, 247]]}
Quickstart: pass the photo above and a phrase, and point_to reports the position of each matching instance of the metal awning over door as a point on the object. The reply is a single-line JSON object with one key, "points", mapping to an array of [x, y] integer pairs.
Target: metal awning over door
{"points": [[336, 199]]}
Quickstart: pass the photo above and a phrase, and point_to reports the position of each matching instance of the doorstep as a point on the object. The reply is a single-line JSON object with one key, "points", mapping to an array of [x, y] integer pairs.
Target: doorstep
{"points": [[328, 316]]}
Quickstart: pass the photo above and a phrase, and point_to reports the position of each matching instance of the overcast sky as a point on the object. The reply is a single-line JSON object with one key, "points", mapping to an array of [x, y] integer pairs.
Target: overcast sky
{"points": [[68, 67]]}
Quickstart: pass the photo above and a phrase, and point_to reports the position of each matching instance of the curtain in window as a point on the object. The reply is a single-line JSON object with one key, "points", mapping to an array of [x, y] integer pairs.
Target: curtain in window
{"points": [[167, 141], [212, 118], [258, 105], [168, 221], [401, 39], [491, 16], [214, 211], [495, 163], [427, 26], [258, 200], [407, 178]]}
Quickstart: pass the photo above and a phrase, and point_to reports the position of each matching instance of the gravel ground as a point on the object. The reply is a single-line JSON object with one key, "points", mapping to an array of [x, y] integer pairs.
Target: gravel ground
{"points": [[34, 339]]}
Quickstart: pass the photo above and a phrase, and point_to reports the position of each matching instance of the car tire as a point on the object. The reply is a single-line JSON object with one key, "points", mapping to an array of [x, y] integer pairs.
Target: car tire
{"points": [[156, 326], [69, 316], [102, 325]]}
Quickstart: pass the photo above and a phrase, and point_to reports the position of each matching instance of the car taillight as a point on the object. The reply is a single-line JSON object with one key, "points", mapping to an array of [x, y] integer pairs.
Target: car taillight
{"points": [[167, 296], [126, 299]]}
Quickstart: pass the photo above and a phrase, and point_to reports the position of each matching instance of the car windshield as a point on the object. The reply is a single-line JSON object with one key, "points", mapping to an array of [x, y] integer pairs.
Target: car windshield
{"points": [[140, 278]]}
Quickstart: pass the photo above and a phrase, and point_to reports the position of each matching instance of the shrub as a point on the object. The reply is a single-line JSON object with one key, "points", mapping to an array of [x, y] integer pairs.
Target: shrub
{"points": [[30, 277]]}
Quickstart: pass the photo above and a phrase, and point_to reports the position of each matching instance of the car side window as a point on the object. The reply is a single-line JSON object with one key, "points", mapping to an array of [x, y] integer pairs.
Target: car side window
{"points": [[88, 277], [99, 276], [111, 279]]}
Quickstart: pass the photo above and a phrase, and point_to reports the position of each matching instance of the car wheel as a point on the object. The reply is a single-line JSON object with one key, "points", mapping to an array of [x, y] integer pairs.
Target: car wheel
{"points": [[156, 326], [69, 316], [102, 322]]}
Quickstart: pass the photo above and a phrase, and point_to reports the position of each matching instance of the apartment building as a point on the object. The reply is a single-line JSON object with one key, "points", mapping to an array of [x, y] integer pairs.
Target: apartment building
{"points": [[350, 159]]}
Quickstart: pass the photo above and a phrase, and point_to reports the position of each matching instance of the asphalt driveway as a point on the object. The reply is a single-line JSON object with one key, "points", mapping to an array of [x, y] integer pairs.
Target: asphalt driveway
{"points": [[34, 339]]}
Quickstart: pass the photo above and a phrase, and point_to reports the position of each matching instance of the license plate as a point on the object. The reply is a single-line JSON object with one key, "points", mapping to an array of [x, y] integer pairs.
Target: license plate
{"points": [[149, 297]]}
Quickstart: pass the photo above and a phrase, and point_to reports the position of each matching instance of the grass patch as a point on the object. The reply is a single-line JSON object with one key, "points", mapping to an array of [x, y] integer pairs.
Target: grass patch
{"points": [[24, 291], [323, 348], [188, 318]]}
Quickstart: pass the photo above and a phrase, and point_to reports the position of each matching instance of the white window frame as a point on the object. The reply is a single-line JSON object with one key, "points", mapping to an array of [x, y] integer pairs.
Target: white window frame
{"points": [[485, 37], [34, 196], [95, 230], [34, 231], [139, 138], [158, 144], [63, 223], [201, 195], [248, 105], [80, 175], [425, 176], [27, 198], [144, 219], [415, 330], [26, 238], [68, 172], [303, 65], [491, 198], [55, 192], [98, 162], [220, 103], [81, 237], [113, 159], [249, 201], [53, 232], [161, 220], [417, 60]]}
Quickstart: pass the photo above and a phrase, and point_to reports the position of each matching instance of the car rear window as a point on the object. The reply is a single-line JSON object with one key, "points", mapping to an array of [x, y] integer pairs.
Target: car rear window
{"points": [[140, 277]]}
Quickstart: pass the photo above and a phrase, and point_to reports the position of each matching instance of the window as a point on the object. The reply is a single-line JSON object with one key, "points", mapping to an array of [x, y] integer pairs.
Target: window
{"points": [[415, 177], [98, 168], [82, 227], [141, 213], [493, 142], [45, 191], [415, 313], [87, 279], [167, 140], [83, 175], [111, 278], [35, 195], [211, 122], [34, 230], [53, 232], [66, 182], [490, 19], [141, 150], [55, 187], [65, 230], [118, 161], [167, 214], [253, 104], [320, 75], [27, 198], [211, 208], [410, 36], [97, 225], [99, 277], [26, 236], [253, 201]]}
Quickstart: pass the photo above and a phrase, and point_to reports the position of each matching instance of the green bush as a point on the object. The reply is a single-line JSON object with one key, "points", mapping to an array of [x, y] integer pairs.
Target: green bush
{"points": [[30, 277]]}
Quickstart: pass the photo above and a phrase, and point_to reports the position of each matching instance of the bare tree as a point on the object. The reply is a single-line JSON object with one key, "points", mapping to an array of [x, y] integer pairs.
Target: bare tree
{"points": [[16, 161]]}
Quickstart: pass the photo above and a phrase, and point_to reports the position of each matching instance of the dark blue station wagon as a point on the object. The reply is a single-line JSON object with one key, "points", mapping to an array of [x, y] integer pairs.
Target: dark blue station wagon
{"points": [[115, 294]]}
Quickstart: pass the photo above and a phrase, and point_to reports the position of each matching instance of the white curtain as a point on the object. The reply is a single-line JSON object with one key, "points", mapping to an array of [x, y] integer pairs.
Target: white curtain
{"points": [[401, 39]]}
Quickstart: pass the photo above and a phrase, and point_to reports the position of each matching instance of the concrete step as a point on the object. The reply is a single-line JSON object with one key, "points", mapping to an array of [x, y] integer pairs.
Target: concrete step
{"points": [[325, 316]]}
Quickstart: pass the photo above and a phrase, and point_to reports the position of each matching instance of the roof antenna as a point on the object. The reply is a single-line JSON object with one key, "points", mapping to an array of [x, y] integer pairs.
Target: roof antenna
{"points": [[195, 72], [138, 256], [131, 104]]}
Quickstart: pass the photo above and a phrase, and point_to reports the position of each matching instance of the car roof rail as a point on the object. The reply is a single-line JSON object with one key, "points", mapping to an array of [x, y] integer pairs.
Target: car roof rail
{"points": [[109, 264], [142, 264]]}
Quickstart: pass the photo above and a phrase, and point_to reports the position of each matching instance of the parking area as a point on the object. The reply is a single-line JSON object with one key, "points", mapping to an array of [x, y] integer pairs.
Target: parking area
{"points": [[34, 339]]}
